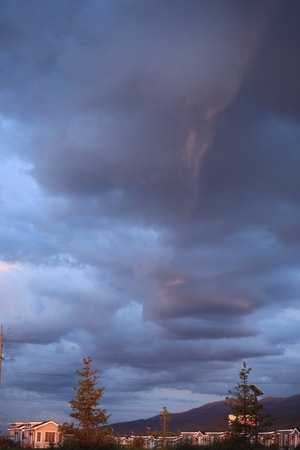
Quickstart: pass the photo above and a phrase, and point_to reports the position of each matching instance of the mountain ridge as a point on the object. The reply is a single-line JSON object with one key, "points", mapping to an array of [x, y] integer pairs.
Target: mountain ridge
{"points": [[213, 417]]}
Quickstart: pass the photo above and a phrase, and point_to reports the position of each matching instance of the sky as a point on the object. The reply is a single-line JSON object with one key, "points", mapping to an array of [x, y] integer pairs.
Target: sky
{"points": [[149, 193]]}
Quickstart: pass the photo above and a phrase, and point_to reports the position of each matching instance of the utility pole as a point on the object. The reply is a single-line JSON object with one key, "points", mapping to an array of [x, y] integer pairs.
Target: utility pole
{"points": [[164, 417], [1, 351]]}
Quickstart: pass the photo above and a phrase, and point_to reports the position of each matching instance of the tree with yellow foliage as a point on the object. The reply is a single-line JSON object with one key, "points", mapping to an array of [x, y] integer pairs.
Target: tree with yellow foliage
{"points": [[86, 412]]}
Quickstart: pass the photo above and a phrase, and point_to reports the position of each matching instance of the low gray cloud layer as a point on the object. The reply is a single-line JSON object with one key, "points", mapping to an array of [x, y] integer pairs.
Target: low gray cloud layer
{"points": [[149, 190]]}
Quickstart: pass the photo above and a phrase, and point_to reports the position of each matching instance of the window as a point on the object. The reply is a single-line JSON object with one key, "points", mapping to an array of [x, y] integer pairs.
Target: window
{"points": [[49, 436], [38, 436]]}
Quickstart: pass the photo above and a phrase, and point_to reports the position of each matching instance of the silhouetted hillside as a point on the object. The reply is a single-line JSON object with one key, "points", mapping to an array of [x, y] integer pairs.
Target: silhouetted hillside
{"points": [[213, 417], [285, 410]]}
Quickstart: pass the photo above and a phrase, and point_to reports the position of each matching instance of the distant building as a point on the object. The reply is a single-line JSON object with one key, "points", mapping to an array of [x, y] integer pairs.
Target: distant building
{"points": [[193, 437], [282, 439], [34, 434]]}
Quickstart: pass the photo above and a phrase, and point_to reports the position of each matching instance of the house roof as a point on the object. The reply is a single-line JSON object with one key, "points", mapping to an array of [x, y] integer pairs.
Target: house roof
{"points": [[29, 425]]}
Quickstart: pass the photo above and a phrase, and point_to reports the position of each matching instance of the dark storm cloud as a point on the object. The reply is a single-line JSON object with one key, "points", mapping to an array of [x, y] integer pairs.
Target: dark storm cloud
{"points": [[149, 195], [273, 78], [120, 123]]}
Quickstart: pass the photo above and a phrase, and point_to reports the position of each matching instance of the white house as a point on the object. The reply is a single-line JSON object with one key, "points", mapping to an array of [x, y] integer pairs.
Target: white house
{"points": [[288, 438], [283, 439], [193, 437], [34, 434]]}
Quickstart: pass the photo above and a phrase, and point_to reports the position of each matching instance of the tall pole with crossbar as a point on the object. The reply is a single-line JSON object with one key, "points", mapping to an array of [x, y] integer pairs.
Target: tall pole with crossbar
{"points": [[1, 350]]}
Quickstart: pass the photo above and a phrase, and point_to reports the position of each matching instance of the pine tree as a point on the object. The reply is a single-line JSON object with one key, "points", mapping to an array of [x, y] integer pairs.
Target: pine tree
{"points": [[85, 409], [248, 419]]}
